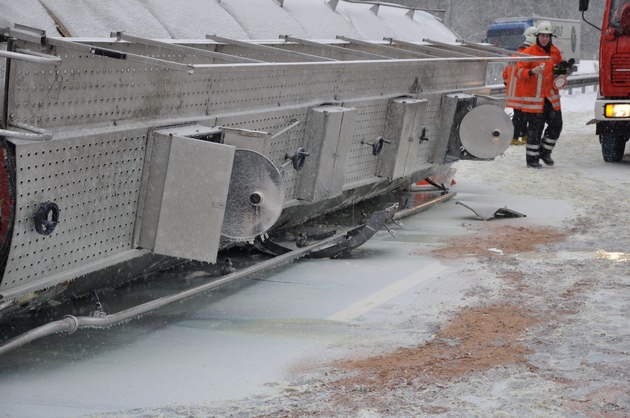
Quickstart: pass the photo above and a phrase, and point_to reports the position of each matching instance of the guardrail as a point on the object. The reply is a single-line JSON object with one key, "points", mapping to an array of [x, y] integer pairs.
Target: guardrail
{"points": [[582, 81]]}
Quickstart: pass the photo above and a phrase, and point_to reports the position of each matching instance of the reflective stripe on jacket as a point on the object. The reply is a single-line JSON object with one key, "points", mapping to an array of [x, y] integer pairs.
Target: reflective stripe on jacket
{"points": [[513, 86], [537, 87]]}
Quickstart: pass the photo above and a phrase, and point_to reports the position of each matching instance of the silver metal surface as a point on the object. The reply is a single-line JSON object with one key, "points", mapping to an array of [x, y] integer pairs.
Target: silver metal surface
{"points": [[93, 176], [186, 194], [341, 51], [255, 130], [255, 198], [105, 100], [324, 172], [370, 124], [403, 130], [269, 50], [486, 131], [183, 48]]}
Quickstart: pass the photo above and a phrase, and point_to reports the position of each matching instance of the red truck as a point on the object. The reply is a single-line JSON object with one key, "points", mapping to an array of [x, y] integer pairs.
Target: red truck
{"points": [[612, 107]]}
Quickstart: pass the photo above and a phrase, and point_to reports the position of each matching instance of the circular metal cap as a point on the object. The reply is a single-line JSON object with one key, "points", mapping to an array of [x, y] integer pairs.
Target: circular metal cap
{"points": [[486, 131], [255, 198]]}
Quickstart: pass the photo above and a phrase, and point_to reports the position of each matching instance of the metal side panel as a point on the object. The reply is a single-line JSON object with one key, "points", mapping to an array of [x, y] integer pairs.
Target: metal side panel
{"points": [[328, 138], [403, 130], [186, 195]]}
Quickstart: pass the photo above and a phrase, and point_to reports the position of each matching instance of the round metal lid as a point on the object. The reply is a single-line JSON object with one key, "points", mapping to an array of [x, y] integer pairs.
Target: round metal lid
{"points": [[486, 131], [255, 198]]}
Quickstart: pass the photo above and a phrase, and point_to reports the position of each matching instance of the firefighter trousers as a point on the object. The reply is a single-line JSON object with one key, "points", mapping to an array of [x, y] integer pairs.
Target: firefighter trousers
{"points": [[520, 124], [537, 143]]}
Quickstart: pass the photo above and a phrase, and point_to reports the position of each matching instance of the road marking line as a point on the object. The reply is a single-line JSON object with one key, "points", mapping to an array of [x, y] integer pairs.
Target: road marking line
{"points": [[387, 293]]}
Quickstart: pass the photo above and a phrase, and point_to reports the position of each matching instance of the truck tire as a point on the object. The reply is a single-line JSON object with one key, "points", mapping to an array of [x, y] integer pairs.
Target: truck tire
{"points": [[613, 147]]}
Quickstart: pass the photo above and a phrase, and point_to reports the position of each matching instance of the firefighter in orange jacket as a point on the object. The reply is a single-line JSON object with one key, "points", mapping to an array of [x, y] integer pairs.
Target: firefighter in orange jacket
{"points": [[513, 95], [541, 97]]}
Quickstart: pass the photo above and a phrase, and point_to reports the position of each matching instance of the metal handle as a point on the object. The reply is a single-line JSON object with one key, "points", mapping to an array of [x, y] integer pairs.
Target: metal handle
{"points": [[377, 146]]}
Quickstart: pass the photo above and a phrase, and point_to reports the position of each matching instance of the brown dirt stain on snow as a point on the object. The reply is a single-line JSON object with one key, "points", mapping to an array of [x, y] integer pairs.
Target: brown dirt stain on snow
{"points": [[500, 239], [474, 340]]}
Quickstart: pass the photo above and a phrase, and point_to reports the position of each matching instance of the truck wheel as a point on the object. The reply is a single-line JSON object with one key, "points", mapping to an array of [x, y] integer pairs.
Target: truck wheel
{"points": [[613, 147]]}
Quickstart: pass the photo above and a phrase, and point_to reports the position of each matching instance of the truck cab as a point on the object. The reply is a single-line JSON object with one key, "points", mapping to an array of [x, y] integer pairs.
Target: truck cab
{"points": [[612, 107], [507, 34]]}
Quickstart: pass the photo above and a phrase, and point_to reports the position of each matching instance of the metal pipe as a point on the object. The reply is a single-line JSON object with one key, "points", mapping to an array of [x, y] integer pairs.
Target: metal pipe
{"points": [[25, 135], [294, 123], [71, 323], [30, 56], [424, 206], [35, 134], [202, 68], [66, 324]]}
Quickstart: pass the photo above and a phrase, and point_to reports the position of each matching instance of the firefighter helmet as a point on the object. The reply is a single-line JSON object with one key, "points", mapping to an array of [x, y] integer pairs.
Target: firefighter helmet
{"points": [[544, 27], [529, 40], [529, 31]]}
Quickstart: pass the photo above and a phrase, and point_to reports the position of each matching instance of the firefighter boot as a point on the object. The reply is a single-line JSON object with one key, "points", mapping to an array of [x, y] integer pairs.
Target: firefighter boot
{"points": [[519, 141], [546, 157], [532, 162], [532, 155], [545, 150]]}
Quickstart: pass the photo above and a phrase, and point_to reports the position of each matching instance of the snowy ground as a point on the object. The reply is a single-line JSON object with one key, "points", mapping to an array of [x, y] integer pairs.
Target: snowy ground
{"points": [[454, 317]]}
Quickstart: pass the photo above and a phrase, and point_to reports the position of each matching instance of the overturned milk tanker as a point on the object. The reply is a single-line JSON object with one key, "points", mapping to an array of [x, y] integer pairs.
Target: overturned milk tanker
{"points": [[122, 154]]}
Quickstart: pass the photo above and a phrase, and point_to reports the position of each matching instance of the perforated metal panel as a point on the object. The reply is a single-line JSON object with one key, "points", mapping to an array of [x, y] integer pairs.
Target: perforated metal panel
{"points": [[89, 88], [94, 178], [327, 134], [403, 131], [102, 100], [432, 151], [370, 124]]}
